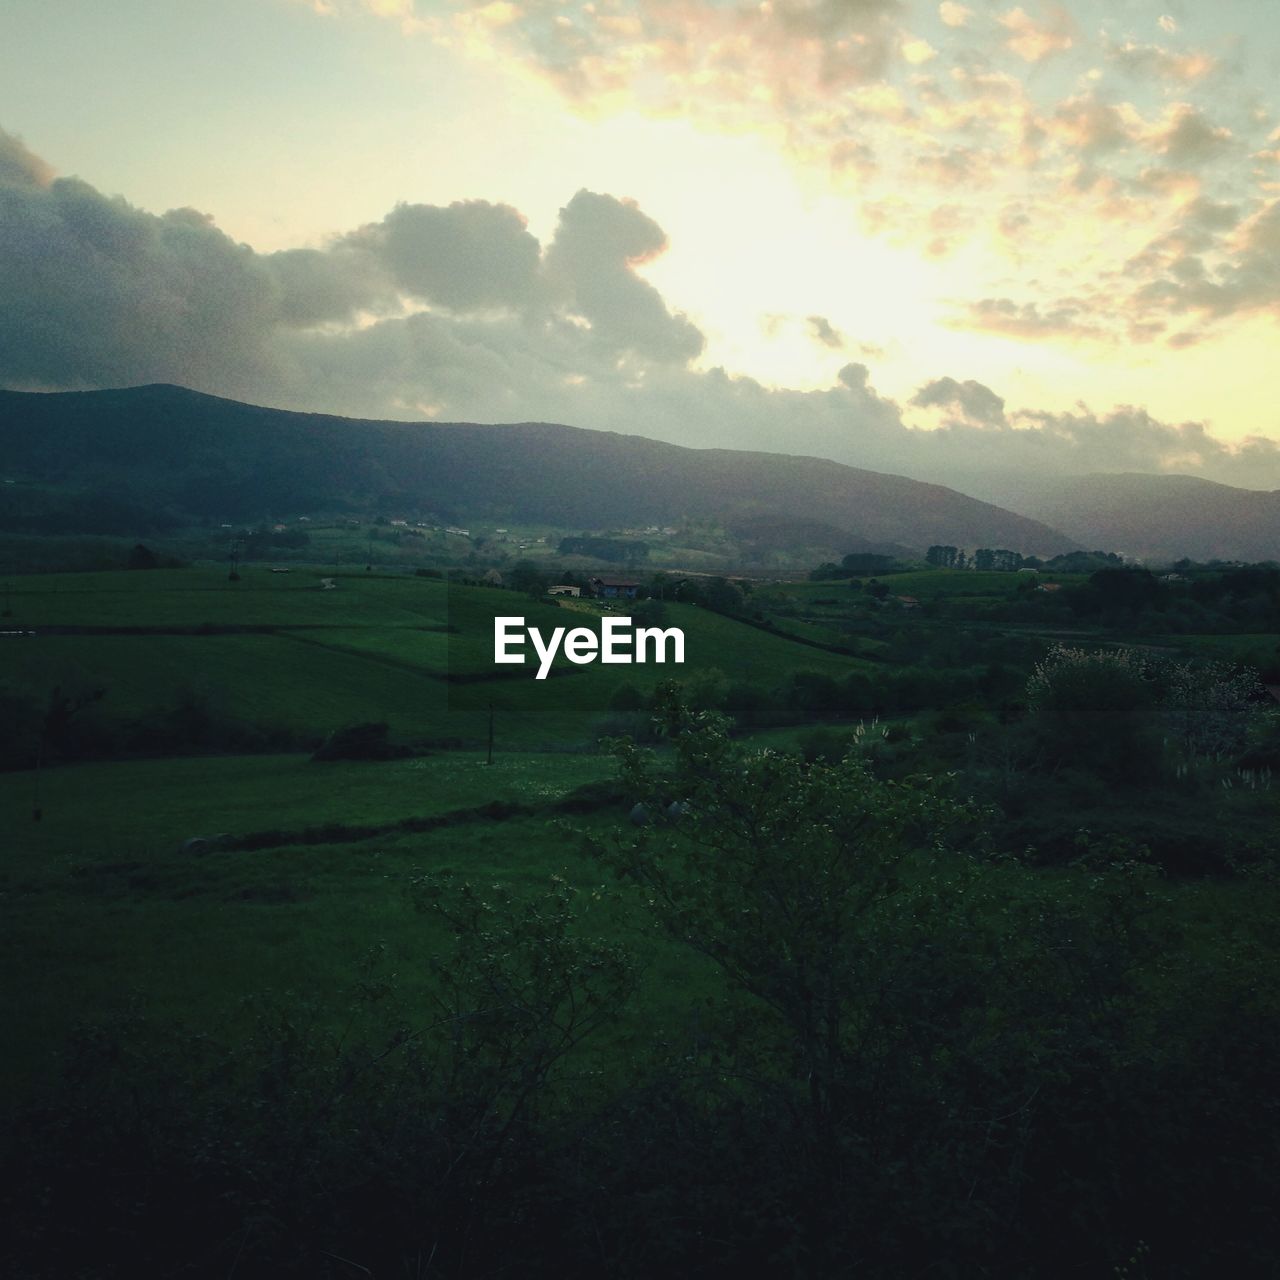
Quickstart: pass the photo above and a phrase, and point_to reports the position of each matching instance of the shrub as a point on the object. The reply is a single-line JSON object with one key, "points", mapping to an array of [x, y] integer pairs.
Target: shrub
{"points": [[360, 742]]}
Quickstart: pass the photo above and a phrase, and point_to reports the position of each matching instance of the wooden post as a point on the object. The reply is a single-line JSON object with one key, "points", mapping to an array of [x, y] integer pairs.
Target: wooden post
{"points": [[36, 811]]}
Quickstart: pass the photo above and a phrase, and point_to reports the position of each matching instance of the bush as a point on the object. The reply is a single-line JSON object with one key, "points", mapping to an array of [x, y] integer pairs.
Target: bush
{"points": [[360, 742]]}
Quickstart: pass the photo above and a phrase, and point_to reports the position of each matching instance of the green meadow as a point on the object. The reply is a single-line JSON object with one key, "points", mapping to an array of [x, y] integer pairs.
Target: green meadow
{"points": [[260, 993], [279, 651], [105, 910]]}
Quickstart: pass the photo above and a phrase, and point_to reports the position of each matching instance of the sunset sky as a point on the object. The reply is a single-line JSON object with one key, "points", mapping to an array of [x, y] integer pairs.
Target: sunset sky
{"points": [[946, 239]]}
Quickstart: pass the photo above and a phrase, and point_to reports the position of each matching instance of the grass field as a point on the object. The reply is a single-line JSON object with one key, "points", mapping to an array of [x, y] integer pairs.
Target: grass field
{"points": [[1261, 648], [377, 647], [103, 909]]}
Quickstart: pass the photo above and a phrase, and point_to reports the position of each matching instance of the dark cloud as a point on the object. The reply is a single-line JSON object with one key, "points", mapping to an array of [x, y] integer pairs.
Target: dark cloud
{"points": [[468, 256], [1192, 139], [326, 286], [98, 292], [591, 261], [20, 167], [971, 400]]}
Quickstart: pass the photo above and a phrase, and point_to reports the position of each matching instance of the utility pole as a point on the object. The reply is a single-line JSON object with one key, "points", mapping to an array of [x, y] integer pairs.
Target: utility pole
{"points": [[36, 811], [490, 759]]}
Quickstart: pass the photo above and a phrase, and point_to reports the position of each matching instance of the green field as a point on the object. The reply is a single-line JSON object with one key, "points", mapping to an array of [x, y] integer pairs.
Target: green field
{"points": [[288, 1020], [375, 648], [104, 908]]}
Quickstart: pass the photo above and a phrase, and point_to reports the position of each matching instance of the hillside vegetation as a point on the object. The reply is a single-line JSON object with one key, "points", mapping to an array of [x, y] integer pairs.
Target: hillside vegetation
{"points": [[185, 455]]}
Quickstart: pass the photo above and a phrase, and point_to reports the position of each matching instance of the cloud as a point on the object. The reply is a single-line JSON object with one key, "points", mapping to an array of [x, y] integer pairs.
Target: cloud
{"points": [[1006, 104], [969, 400], [1068, 319], [1033, 41], [458, 313], [466, 257], [1158, 63], [597, 245], [822, 331], [1248, 277], [20, 167], [1090, 126], [1189, 138], [99, 292]]}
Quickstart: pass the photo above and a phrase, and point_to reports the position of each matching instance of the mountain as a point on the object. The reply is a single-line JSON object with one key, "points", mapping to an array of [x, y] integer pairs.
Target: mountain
{"points": [[213, 458], [1157, 517]]}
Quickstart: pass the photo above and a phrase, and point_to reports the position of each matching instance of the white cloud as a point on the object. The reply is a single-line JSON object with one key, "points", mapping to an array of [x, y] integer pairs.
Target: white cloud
{"points": [[1033, 41]]}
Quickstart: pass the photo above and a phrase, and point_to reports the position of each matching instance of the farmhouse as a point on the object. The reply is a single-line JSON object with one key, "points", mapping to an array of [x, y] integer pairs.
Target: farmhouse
{"points": [[564, 589], [614, 588]]}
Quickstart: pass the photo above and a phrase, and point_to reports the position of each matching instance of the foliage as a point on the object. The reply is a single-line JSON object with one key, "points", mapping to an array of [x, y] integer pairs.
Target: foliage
{"points": [[1107, 709], [520, 986], [769, 866], [861, 562], [998, 560], [1209, 706], [368, 741], [612, 550]]}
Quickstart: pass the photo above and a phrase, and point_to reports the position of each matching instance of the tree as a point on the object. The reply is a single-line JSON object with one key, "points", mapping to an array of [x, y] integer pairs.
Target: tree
{"points": [[649, 613], [1096, 711], [142, 557], [997, 560], [866, 562], [527, 577], [774, 870]]}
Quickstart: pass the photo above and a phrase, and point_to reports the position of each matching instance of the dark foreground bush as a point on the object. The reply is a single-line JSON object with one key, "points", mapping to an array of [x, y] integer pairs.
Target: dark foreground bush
{"points": [[360, 742]]}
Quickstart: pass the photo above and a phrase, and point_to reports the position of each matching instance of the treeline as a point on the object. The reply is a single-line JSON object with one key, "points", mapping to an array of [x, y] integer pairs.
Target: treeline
{"points": [[611, 550], [1000, 560], [70, 723], [1236, 599]]}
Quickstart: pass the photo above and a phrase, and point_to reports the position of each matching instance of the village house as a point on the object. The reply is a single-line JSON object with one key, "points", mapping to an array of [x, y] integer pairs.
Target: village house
{"points": [[614, 588]]}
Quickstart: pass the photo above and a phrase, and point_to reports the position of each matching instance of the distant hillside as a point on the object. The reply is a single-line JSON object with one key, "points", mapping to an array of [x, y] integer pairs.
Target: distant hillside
{"points": [[1158, 517], [219, 459]]}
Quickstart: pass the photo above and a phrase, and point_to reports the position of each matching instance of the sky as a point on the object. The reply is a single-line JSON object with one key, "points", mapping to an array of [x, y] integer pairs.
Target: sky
{"points": [[959, 241]]}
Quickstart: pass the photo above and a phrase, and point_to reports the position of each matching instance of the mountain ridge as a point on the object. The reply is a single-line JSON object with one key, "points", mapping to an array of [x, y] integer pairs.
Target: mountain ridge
{"points": [[1155, 516], [213, 456]]}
